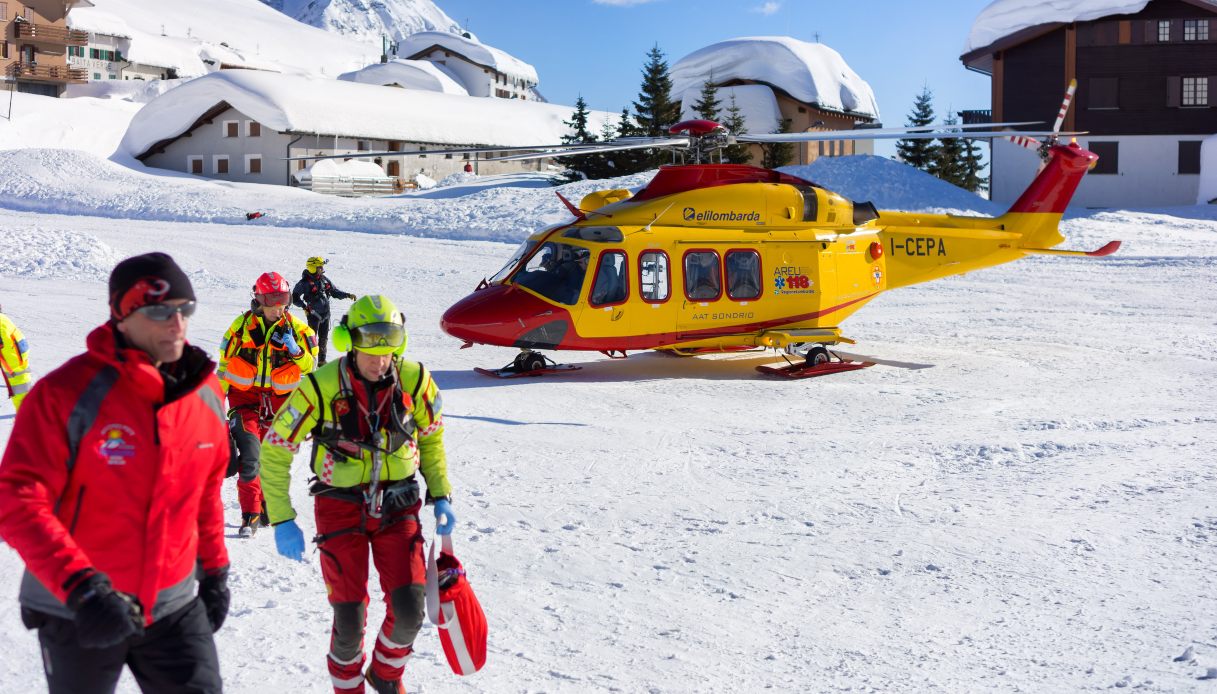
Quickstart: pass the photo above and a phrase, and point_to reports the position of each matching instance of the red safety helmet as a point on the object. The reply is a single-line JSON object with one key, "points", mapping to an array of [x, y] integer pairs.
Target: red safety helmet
{"points": [[272, 290]]}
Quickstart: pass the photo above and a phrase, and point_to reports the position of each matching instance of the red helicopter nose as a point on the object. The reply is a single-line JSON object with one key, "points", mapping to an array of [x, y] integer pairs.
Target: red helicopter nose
{"points": [[507, 316]]}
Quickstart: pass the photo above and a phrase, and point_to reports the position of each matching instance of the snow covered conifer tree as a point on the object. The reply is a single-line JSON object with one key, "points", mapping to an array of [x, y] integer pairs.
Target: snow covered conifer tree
{"points": [[947, 161], [777, 154], [971, 166]]}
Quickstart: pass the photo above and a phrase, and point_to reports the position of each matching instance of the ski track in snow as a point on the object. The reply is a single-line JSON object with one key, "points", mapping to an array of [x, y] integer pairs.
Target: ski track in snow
{"points": [[1033, 513]]}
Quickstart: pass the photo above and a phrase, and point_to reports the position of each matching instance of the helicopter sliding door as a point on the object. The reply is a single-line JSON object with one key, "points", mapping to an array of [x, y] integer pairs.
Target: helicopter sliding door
{"points": [[606, 317], [701, 283]]}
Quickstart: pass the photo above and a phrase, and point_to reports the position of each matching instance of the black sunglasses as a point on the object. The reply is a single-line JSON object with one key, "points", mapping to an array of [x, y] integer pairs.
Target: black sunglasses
{"points": [[162, 312]]}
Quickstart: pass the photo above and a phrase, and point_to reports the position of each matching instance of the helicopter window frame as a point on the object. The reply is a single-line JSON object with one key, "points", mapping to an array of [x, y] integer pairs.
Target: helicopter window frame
{"points": [[727, 283], [684, 267], [625, 280], [521, 255], [667, 269]]}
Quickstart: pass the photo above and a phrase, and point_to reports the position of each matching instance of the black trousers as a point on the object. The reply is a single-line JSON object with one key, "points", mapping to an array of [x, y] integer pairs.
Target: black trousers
{"points": [[176, 655], [322, 328]]}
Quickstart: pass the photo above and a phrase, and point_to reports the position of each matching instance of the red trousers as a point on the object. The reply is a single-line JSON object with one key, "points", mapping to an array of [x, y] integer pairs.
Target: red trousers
{"points": [[396, 546], [256, 409]]}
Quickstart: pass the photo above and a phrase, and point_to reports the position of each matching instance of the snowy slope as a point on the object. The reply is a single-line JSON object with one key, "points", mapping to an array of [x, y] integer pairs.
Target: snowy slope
{"points": [[368, 21], [1033, 513]]}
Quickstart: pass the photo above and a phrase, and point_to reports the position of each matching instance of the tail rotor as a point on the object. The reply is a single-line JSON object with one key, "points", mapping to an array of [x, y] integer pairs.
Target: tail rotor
{"points": [[1042, 147]]}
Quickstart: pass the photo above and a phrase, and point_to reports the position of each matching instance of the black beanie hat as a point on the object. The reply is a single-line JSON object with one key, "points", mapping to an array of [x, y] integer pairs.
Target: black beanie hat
{"points": [[151, 278]]}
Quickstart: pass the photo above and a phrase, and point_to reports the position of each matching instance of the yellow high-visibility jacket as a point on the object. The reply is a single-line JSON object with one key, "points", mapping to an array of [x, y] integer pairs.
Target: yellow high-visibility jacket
{"points": [[414, 441], [249, 359], [14, 361]]}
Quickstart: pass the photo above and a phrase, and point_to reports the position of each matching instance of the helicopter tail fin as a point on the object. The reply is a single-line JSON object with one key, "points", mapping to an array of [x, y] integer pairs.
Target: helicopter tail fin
{"points": [[1037, 213]]}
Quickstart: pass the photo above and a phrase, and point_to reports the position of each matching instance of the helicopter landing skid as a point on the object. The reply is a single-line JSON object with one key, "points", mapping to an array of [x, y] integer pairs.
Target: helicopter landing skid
{"points": [[528, 363], [819, 361]]}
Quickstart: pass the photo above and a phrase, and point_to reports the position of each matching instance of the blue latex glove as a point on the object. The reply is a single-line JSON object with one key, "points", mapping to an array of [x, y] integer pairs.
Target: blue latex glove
{"points": [[285, 339], [444, 520], [289, 540]]}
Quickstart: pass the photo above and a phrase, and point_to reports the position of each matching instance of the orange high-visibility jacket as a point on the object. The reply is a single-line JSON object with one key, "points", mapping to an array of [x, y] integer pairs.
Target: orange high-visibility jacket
{"points": [[250, 359]]}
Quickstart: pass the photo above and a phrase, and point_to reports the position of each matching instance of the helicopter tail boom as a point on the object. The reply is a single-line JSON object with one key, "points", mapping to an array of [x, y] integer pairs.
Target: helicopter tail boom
{"points": [[1037, 212]]}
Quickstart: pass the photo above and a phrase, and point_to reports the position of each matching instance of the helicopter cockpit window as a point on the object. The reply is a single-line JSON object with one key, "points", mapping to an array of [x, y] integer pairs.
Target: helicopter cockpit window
{"points": [[654, 276], [556, 272], [703, 281], [743, 275], [601, 234], [611, 283], [809, 202], [524, 249]]}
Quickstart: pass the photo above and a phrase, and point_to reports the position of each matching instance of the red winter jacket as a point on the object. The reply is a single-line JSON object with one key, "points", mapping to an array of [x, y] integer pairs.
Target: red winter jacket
{"points": [[142, 501]]}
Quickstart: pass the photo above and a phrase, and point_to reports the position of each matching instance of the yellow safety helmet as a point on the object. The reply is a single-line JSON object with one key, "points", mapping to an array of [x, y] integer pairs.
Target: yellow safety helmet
{"points": [[372, 325], [315, 262]]}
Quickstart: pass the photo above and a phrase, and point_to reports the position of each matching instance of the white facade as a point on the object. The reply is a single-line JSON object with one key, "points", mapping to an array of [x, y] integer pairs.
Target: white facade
{"points": [[480, 80], [1147, 171], [105, 59]]}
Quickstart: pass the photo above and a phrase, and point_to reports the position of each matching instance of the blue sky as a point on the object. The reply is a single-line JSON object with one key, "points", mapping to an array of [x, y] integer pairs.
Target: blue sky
{"points": [[597, 47]]}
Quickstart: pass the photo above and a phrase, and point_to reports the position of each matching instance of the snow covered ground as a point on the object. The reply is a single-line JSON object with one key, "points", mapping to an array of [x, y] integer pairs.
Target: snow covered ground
{"points": [[1034, 513]]}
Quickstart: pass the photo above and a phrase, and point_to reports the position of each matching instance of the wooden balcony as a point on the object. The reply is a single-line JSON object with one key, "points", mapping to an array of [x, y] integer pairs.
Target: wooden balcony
{"points": [[47, 33], [47, 73]]}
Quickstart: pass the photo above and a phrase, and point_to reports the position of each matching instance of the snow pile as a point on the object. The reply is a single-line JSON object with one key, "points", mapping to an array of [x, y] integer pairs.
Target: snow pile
{"points": [[410, 74], [1005, 17], [757, 103], [892, 185], [92, 125], [810, 72], [367, 22], [456, 179], [472, 49], [333, 107], [424, 182], [55, 253]]}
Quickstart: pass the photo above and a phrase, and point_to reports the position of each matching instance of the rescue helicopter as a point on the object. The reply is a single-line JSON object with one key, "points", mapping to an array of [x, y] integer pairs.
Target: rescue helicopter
{"points": [[725, 257]]}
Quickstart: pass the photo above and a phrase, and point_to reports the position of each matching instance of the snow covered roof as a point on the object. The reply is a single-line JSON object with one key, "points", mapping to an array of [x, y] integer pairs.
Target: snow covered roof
{"points": [[479, 53], [290, 103], [757, 103], [810, 72], [337, 168], [1005, 17], [411, 74], [97, 21]]}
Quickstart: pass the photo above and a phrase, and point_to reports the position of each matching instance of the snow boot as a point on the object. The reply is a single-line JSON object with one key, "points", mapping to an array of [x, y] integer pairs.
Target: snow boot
{"points": [[249, 525], [383, 686]]}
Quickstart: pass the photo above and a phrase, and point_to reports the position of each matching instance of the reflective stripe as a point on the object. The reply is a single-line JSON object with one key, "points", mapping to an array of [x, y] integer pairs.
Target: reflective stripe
{"points": [[15, 374], [19, 388], [393, 662], [237, 380], [349, 683], [389, 643], [354, 659], [457, 639], [213, 403]]}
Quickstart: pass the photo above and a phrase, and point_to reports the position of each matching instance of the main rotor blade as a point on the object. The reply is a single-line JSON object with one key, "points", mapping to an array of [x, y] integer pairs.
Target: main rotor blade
{"points": [[939, 127], [862, 135], [671, 142], [416, 152]]}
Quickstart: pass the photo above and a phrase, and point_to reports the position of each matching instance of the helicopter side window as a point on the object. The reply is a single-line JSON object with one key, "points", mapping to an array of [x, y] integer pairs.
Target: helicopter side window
{"points": [[610, 285], [743, 275], [703, 280], [655, 277], [556, 272]]}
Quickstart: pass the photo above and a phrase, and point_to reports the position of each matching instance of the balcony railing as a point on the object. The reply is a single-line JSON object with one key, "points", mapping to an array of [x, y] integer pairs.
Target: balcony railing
{"points": [[975, 117], [47, 73], [47, 33]]}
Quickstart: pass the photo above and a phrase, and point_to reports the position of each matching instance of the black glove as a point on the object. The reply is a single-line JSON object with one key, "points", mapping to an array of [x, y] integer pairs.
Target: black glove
{"points": [[104, 617], [213, 591]]}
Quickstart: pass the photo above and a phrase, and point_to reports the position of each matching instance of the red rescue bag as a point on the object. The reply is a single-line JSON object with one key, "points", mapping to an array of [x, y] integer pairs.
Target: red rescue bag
{"points": [[454, 608]]}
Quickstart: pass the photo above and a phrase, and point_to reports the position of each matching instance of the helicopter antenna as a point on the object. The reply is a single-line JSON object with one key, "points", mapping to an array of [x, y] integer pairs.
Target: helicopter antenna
{"points": [[652, 223]]}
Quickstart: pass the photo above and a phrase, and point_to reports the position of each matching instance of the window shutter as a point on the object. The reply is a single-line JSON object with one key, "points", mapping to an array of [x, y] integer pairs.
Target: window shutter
{"points": [[1151, 31], [1176, 30], [1173, 87]]}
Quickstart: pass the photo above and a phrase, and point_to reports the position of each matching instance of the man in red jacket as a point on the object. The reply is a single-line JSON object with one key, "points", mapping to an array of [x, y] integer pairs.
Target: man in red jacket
{"points": [[110, 492]]}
